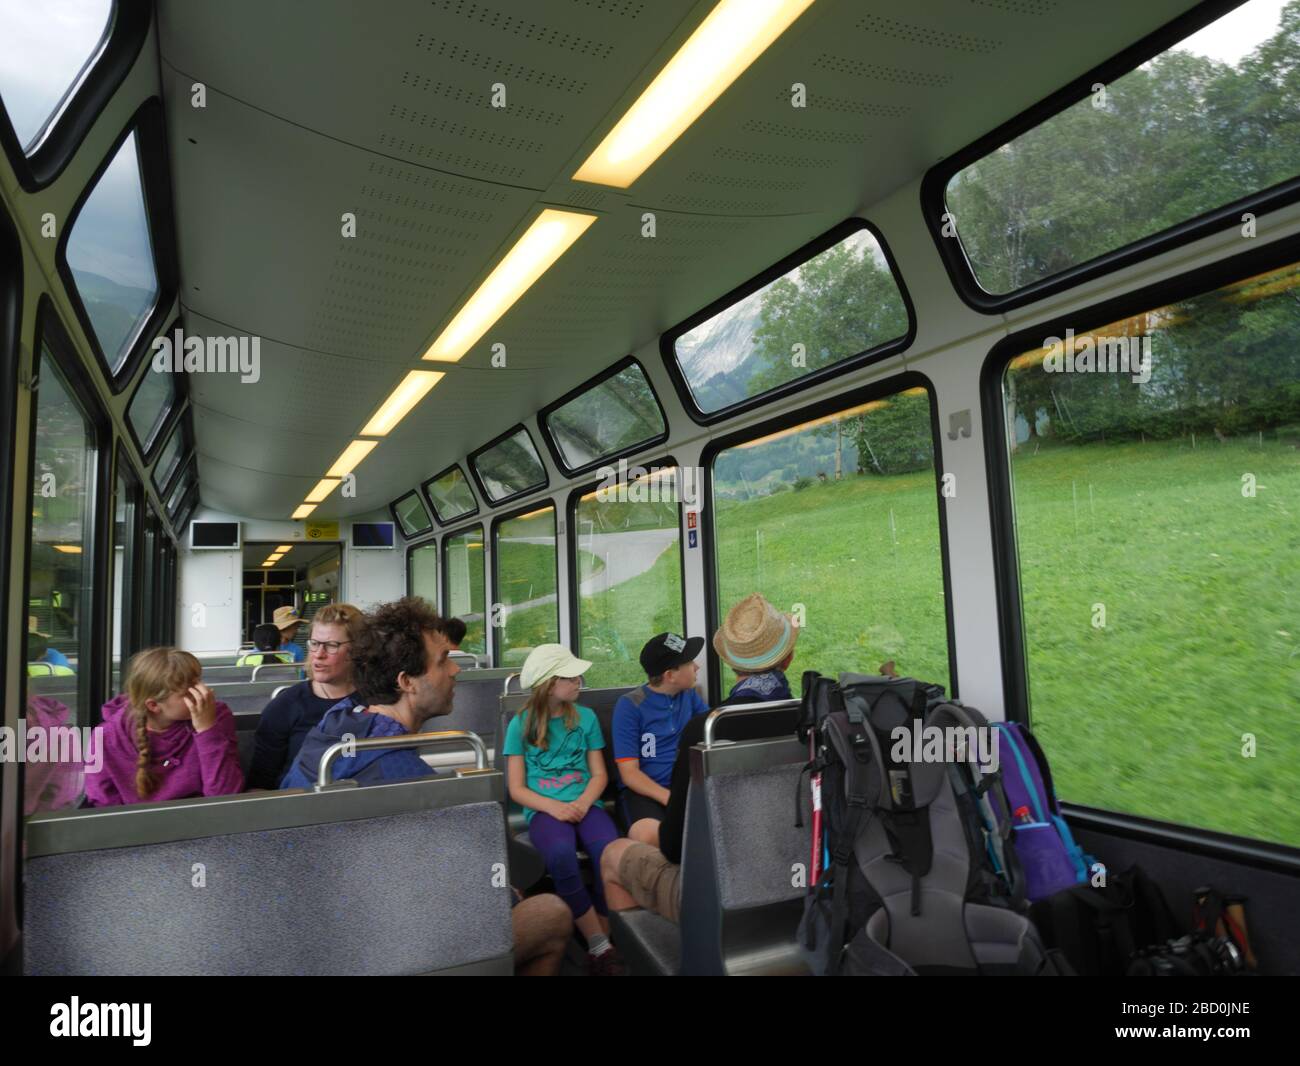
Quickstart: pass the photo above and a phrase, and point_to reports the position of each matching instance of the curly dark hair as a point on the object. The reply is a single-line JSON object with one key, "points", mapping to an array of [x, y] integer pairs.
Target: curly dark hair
{"points": [[392, 642], [455, 631]]}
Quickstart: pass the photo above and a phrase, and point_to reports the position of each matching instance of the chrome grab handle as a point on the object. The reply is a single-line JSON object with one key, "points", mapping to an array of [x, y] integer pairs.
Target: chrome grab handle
{"points": [[276, 691], [743, 708], [273, 666], [505, 689], [406, 740]]}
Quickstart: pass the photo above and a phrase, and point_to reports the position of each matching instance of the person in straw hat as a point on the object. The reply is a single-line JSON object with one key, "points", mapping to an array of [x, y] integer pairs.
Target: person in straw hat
{"points": [[757, 641], [556, 772], [287, 620]]}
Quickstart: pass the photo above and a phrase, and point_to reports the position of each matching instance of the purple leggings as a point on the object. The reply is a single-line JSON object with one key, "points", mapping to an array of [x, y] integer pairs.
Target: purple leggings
{"points": [[558, 843]]}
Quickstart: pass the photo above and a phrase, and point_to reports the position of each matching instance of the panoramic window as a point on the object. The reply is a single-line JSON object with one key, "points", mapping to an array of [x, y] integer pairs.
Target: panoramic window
{"points": [[1213, 119], [628, 542], [45, 49], [111, 257], [150, 406], [412, 515], [836, 522], [607, 419], [60, 625], [462, 564], [182, 486], [1155, 464], [422, 573], [526, 585], [840, 303], [510, 467], [450, 495], [171, 455]]}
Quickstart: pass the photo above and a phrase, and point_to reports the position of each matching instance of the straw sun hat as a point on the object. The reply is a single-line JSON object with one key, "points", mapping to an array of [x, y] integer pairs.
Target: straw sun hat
{"points": [[755, 636]]}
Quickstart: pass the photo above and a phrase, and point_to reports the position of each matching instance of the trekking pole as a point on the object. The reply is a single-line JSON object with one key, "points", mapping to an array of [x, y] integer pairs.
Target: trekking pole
{"points": [[816, 780]]}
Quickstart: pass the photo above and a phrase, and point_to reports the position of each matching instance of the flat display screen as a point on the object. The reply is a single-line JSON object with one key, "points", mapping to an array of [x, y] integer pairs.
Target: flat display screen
{"points": [[373, 535]]}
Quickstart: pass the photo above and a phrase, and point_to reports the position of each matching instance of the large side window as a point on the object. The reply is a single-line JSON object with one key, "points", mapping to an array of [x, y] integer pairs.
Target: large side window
{"points": [[46, 49], [155, 398], [627, 537], [1155, 468], [111, 259], [835, 301], [60, 627], [464, 592], [1215, 119], [411, 515], [526, 584], [836, 521], [422, 572]]}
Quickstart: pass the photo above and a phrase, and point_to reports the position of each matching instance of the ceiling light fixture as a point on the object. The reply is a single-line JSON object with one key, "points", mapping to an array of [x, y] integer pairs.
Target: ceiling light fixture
{"points": [[548, 238], [400, 403], [734, 34], [303, 511], [323, 488], [349, 460]]}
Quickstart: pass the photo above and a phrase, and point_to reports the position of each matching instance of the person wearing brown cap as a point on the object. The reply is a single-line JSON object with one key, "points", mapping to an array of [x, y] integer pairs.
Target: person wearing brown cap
{"points": [[757, 641]]}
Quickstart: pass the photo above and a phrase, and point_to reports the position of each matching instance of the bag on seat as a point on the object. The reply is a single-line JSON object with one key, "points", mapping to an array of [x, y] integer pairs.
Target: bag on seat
{"points": [[919, 859]]}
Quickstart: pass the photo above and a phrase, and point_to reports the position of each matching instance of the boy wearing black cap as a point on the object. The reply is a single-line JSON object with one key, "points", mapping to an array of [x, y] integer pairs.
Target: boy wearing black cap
{"points": [[648, 722]]}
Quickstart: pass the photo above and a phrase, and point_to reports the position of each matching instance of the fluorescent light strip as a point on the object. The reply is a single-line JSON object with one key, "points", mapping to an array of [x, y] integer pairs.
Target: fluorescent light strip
{"points": [[400, 403], [349, 460], [303, 511], [323, 488], [734, 34], [281, 549], [548, 238]]}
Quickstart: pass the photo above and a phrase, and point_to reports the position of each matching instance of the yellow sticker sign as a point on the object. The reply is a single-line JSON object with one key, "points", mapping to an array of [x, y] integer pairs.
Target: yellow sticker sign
{"points": [[322, 531]]}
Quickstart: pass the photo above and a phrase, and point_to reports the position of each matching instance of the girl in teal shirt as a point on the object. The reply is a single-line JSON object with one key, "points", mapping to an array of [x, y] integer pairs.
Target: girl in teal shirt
{"points": [[557, 774]]}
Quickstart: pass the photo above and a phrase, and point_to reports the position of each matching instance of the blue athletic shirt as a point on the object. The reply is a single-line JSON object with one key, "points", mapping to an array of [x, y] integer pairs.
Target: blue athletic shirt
{"points": [[663, 716]]}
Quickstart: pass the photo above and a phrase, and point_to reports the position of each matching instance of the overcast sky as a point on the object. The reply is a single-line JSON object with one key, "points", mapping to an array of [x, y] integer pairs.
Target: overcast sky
{"points": [[1238, 32]]}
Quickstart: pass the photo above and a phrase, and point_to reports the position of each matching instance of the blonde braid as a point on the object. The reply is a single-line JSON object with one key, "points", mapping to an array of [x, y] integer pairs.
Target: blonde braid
{"points": [[145, 781]]}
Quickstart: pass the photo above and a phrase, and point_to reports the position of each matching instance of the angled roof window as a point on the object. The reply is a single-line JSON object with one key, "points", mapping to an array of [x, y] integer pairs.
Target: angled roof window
{"points": [[508, 467], [411, 515], [835, 300], [46, 50], [617, 415], [1149, 150], [449, 495], [110, 255]]}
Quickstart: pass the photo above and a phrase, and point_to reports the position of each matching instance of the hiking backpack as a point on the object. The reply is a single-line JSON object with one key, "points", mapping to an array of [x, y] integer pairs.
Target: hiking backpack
{"points": [[1046, 850], [920, 876]]}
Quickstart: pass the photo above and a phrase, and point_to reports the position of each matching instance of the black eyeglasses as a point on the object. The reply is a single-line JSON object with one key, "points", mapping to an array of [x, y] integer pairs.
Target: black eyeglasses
{"points": [[331, 646]]}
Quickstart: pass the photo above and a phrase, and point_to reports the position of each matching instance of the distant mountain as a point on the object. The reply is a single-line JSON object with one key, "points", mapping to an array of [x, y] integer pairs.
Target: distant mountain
{"points": [[115, 310], [713, 355]]}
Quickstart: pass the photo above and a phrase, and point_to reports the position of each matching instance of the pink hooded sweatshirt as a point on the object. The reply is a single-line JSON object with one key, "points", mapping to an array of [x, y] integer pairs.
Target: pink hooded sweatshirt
{"points": [[185, 763]]}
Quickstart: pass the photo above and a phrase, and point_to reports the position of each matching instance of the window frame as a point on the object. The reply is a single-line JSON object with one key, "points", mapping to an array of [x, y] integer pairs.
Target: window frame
{"points": [[414, 546], [814, 247], [52, 333], [444, 571], [147, 125], [935, 182], [571, 524], [148, 449], [472, 460], [83, 101], [557, 454], [1006, 568], [188, 466], [400, 525], [494, 637], [133, 607], [178, 424], [889, 386], [438, 520], [11, 318]]}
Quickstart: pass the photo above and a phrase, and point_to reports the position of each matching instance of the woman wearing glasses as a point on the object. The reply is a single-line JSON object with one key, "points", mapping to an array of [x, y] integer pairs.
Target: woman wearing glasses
{"points": [[290, 716]]}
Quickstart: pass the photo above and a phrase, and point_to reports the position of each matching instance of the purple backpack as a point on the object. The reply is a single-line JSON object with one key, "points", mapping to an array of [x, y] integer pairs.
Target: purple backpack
{"points": [[1050, 858]]}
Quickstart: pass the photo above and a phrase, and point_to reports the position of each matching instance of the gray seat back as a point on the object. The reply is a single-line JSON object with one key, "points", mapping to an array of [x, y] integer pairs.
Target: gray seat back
{"points": [[744, 862], [402, 878]]}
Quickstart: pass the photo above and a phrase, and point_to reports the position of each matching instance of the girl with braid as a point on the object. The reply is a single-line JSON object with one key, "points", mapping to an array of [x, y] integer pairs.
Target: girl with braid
{"points": [[166, 737]]}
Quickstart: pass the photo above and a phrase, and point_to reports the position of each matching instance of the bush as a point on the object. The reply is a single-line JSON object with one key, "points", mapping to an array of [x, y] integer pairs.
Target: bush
{"points": [[801, 483]]}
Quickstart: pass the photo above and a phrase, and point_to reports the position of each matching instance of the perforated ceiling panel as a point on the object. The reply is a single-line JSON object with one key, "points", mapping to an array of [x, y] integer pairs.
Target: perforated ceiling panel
{"points": [[386, 112]]}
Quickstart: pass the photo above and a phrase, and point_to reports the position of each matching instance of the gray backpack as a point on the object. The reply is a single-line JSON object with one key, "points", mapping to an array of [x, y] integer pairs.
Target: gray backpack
{"points": [[921, 877]]}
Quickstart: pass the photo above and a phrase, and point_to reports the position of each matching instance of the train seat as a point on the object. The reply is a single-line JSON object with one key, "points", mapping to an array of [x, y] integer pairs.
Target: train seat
{"points": [[744, 865], [389, 879]]}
